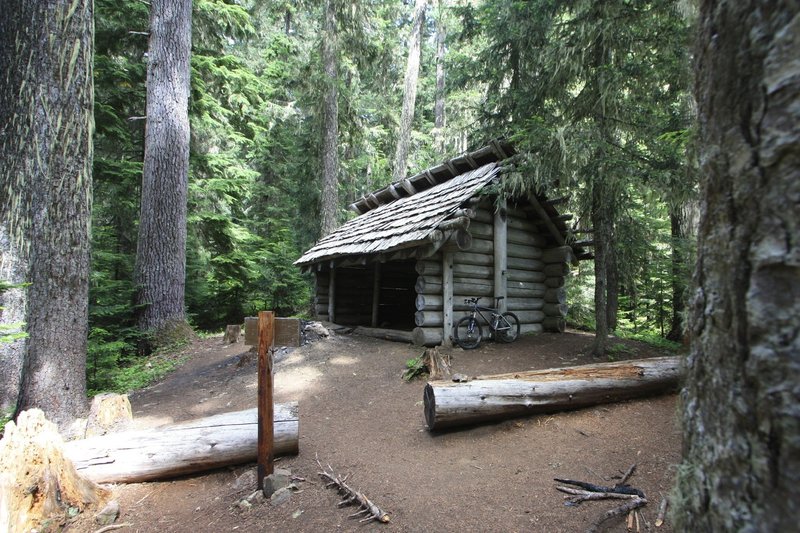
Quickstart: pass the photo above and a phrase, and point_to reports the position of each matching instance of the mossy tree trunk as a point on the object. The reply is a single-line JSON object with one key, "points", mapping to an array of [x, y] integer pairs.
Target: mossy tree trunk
{"points": [[329, 203], [46, 126], [741, 404], [161, 253], [409, 92]]}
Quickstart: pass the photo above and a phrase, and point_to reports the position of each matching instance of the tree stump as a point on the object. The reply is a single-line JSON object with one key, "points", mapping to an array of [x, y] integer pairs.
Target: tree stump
{"points": [[109, 412], [438, 364], [232, 333], [37, 481]]}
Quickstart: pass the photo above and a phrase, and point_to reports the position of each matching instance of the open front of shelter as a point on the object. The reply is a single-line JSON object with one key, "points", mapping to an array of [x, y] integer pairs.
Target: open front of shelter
{"points": [[423, 245]]}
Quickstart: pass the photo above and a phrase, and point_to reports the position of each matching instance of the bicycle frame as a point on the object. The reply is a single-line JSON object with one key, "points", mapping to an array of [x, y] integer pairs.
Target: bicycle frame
{"points": [[496, 317]]}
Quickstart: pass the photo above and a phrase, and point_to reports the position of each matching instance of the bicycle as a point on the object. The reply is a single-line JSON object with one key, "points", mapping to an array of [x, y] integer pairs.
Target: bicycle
{"points": [[468, 333]]}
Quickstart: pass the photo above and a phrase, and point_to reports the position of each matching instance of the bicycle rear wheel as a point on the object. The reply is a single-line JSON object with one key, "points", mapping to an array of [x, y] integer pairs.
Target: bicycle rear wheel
{"points": [[467, 333], [507, 328]]}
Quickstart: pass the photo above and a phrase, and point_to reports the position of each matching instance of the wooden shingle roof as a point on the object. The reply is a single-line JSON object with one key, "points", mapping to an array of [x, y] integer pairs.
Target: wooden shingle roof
{"points": [[403, 222]]}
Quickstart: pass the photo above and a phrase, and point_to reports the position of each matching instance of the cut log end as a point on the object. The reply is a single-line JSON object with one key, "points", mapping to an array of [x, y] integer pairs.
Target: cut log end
{"points": [[429, 403]]}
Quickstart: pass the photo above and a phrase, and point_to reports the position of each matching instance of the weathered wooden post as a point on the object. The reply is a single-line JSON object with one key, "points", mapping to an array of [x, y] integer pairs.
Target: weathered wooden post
{"points": [[500, 234], [266, 423]]}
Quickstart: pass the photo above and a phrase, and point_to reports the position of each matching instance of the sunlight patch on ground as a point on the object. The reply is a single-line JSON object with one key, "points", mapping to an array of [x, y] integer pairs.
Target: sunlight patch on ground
{"points": [[343, 360], [297, 380]]}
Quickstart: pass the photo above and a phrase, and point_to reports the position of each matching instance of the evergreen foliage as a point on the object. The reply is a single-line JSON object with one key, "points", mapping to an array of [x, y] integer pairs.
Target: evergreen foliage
{"points": [[594, 93]]}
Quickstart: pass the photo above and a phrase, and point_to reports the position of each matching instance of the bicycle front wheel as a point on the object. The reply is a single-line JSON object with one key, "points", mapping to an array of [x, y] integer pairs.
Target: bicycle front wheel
{"points": [[507, 328], [467, 333]]}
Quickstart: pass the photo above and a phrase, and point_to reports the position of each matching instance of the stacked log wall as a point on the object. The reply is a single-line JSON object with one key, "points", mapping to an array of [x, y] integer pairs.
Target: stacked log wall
{"points": [[322, 279], [473, 276], [556, 269], [526, 278]]}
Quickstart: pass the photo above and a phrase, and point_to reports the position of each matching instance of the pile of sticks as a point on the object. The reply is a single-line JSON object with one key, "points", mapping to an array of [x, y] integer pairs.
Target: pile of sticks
{"points": [[632, 498], [367, 512]]}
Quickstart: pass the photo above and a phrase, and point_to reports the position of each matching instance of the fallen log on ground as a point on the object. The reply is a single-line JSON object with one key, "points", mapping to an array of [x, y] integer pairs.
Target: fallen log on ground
{"points": [[492, 398], [395, 335], [185, 448]]}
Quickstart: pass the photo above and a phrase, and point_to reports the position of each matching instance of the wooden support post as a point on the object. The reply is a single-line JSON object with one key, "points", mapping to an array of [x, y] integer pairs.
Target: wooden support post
{"points": [[376, 293], [500, 233], [332, 294], [447, 298], [266, 423]]}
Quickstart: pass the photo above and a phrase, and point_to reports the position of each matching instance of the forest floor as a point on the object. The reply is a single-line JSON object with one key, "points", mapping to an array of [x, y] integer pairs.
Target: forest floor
{"points": [[359, 416]]}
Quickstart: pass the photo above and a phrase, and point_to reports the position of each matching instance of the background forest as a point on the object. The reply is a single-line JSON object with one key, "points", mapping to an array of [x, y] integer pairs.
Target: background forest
{"points": [[595, 94]]}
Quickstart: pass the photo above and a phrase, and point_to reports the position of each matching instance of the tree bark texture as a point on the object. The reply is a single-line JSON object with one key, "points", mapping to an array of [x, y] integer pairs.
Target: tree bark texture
{"points": [[497, 397], [741, 404], [161, 252], [409, 92], [329, 203], [46, 126], [12, 317]]}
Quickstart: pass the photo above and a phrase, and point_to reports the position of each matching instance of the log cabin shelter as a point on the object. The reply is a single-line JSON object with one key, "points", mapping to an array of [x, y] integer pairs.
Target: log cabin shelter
{"points": [[420, 246]]}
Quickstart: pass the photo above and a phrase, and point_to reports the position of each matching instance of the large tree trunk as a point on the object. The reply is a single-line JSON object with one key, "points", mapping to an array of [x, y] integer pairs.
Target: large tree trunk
{"points": [[161, 252], [12, 320], [439, 104], [492, 398], [409, 92], [186, 448], [741, 409], [329, 203], [678, 281], [46, 104]]}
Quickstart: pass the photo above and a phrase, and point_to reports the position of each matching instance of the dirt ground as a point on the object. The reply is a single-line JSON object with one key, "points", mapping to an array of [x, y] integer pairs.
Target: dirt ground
{"points": [[359, 416]]}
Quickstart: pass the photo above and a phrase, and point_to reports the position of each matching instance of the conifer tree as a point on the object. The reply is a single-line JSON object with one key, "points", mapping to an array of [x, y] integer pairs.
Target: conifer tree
{"points": [[46, 99]]}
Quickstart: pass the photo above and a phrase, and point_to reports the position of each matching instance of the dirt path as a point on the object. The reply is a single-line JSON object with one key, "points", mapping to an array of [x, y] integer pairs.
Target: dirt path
{"points": [[359, 416]]}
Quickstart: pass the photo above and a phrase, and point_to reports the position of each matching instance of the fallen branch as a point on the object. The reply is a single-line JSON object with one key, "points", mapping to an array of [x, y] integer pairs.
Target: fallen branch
{"points": [[619, 488], [353, 496], [635, 503], [620, 491], [662, 511], [580, 496], [112, 527], [627, 474]]}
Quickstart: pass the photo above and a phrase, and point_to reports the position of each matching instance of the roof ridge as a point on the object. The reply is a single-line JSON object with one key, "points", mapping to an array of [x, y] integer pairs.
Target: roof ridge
{"points": [[496, 150]]}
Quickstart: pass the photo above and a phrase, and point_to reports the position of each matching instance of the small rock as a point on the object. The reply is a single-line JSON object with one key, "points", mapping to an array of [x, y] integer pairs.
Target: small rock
{"points": [[244, 505], [279, 479], [108, 515], [317, 329], [280, 496], [257, 495], [245, 481]]}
